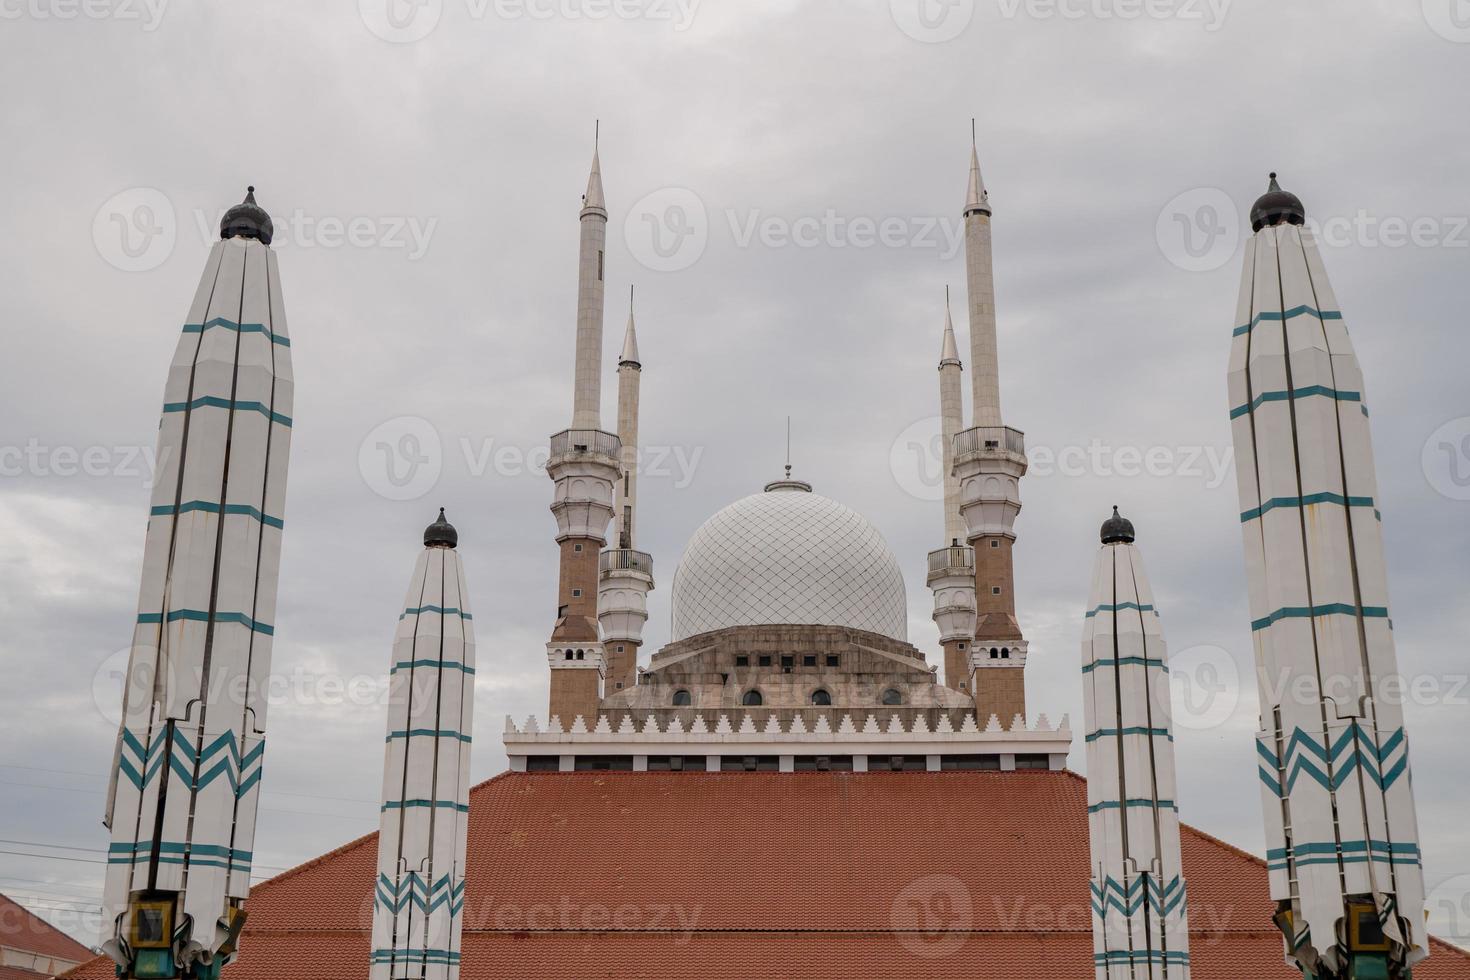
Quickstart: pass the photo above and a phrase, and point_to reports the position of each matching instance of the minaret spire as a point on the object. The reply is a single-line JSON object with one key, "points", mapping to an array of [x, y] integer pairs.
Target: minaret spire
{"points": [[989, 461], [952, 567], [951, 414], [977, 198], [585, 464], [980, 291], [591, 262], [625, 575], [424, 817]]}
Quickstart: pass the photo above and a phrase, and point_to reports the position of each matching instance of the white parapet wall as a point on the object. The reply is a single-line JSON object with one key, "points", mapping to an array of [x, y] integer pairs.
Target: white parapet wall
{"points": [[762, 734]]}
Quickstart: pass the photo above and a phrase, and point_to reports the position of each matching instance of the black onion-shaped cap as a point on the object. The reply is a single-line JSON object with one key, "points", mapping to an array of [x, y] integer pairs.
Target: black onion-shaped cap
{"points": [[441, 533], [247, 220], [1276, 206], [1117, 529]]}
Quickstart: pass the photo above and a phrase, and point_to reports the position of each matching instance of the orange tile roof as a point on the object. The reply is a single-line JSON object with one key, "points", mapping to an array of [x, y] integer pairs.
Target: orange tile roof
{"points": [[19, 929], [903, 875]]}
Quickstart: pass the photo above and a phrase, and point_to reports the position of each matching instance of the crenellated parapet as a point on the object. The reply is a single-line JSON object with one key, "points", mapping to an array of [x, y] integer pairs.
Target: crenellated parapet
{"points": [[757, 739]]}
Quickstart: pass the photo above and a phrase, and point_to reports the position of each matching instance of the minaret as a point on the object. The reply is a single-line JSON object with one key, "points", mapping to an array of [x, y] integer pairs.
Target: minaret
{"points": [[186, 774], [591, 259], [584, 464], [952, 568], [989, 461], [1341, 833], [625, 575], [1140, 929], [426, 771]]}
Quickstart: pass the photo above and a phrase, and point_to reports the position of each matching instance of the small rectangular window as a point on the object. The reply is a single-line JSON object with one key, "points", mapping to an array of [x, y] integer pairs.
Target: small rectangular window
{"points": [[742, 660], [599, 265], [577, 548], [948, 763], [604, 763], [834, 660], [809, 661], [576, 593], [543, 763], [995, 542], [765, 661], [1032, 762], [995, 590], [788, 661]]}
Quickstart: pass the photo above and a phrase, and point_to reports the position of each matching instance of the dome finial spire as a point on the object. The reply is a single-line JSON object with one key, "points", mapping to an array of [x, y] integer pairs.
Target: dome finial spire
{"points": [[1117, 529], [1277, 206], [441, 534], [788, 447], [247, 220]]}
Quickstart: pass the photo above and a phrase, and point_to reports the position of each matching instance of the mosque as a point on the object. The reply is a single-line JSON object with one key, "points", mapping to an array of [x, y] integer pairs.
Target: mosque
{"points": [[790, 787]]}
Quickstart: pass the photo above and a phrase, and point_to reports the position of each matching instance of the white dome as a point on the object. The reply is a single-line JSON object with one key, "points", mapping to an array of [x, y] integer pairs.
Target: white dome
{"points": [[788, 557]]}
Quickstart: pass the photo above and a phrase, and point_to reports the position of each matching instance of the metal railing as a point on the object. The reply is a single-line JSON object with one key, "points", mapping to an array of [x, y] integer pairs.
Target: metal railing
{"points": [[625, 559], [585, 441], [990, 439], [955, 556]]}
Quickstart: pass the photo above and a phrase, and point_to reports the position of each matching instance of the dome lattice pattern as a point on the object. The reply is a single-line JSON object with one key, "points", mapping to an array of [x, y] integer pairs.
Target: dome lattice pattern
{"points": [[788, 558]]}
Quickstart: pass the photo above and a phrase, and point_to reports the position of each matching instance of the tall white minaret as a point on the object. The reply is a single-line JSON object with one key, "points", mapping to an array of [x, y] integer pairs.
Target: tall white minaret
{"points": [[591, 262], [630, 374], [952, 568], [1342, 837], [952, 420], [585, 464], [1140, 928], [989, 461], [426, 772], [980, 293], [186, 773], [625, 575]]}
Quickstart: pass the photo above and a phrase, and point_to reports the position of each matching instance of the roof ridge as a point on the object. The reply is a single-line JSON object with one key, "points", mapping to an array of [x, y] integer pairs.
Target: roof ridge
{"points": [[49, 928], [298, 869], [356, 842], [1206, 835]]}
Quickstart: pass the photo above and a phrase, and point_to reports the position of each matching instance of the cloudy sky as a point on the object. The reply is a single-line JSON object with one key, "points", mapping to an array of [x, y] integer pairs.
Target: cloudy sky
{"points": [[784, 182]]}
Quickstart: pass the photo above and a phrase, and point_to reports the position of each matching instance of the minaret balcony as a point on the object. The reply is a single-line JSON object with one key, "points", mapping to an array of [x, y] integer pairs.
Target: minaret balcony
{"points": [[955, 561], [592, 445], [990, 442], [625, 560]]}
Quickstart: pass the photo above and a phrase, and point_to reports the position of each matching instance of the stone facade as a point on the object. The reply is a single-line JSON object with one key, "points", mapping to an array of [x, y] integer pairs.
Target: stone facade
{"points": [[812, 671]]}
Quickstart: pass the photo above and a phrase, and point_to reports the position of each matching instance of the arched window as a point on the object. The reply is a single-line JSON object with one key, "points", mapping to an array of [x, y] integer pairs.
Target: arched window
{"points": [[821, 697], [892, 696], [1005, 653], [682, 699], [752, 699]]}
